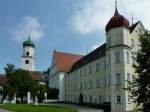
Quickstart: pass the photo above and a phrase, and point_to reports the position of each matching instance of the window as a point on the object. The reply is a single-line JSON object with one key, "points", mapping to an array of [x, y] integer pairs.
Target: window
{"points": [[97, 67], [85, 85], [84, 71], [90, 69], [118, 78], [80, 85], [105, 82], [108, 42], [26, 61], [133, 60], [105, 64], [129, 98], [91, 99], [118, 99], [128, 57], [85, 98], [109, 59], [80, 72], [97, 83], [117, 57], [109, 79], [75, 87], [27, 53], [132, 42], [100, 99], [133, 78], [90, 84], [128, 77]]}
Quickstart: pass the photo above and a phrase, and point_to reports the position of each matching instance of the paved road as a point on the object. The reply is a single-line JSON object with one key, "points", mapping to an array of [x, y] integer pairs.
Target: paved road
{"points": [[2, 110], [79, 108]]}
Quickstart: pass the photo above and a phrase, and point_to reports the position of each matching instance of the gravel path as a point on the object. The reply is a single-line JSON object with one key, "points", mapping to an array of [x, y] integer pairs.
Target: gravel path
{"points": [[2, 110]]}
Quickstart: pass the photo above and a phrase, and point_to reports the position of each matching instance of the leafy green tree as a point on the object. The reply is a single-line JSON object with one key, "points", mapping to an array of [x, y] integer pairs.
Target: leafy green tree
{"points": [[4, 92], [19, 82], [22, 81], [34, 89], [7, 90], [10, 68], [11, 91], [42, 90], [46, 75], [140, 87]]}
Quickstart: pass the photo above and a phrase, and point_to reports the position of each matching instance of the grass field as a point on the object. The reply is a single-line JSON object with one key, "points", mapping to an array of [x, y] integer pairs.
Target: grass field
{"points": [[33, 108]]}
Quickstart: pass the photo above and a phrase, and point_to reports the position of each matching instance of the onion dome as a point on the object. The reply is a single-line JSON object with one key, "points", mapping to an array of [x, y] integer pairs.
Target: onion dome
{"points": [[28, 43], [117, 21]]}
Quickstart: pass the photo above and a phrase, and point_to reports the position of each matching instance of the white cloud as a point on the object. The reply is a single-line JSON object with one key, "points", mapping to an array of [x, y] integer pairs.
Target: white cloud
{"points": [[93, 15], [28, 25]]}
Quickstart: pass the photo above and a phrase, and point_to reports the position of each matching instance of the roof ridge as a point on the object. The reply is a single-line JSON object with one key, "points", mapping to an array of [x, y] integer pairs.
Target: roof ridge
{"points": [[132, 27], [100, 51], [67, 53]]}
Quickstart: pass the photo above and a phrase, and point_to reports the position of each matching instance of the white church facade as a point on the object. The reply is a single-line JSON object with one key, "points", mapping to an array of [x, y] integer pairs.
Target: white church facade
{"points": [[101, 75]]}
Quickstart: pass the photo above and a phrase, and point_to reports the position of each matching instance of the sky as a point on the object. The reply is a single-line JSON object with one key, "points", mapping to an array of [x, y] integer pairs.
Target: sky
{"points": [[75, 26]]}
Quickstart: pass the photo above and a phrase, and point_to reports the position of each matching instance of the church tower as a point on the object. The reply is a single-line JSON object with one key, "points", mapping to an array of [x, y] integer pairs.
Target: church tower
{"points": [[118, 56], [28, 61]]}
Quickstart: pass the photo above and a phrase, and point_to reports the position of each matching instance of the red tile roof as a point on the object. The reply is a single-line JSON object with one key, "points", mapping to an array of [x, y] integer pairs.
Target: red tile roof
{"points": [[3, 79], [36, 75], [64, 61]]}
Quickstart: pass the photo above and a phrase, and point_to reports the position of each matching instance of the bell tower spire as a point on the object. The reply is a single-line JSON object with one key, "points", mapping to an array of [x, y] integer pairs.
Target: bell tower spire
{"points": [[29, 36], [28, 61]]}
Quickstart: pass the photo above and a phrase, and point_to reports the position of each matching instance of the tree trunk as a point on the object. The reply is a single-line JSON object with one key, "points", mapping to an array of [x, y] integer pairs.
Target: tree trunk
{"points": [[3, 98], [21, 99]]}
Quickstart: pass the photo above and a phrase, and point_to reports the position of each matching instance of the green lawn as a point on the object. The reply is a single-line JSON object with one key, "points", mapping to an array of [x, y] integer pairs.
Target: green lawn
{"points": [[33, 108]]}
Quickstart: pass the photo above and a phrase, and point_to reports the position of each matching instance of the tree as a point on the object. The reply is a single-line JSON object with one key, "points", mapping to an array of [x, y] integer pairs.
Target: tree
{"points": [[140, 87], [11, 91], [22, 81], [40, 95], [10, 68], [8, 90], [46, 75], [4, 92]]}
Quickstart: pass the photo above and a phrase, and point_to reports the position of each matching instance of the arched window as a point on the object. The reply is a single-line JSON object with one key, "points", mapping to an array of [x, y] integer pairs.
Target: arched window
{"points": [[27, 62], [27, 53]]}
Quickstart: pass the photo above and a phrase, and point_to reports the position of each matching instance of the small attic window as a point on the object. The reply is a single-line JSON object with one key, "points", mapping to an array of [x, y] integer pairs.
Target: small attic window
{"points": [[27, 62], [136, 31]]}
